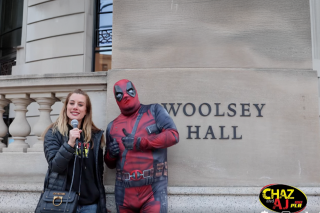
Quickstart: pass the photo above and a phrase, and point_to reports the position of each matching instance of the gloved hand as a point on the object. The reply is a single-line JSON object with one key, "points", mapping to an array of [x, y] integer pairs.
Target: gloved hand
{"points": [[127, 141], [114, 148]]}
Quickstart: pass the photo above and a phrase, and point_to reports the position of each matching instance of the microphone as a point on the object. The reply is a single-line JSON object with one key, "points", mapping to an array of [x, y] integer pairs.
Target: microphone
{"points": [[74, 124]]}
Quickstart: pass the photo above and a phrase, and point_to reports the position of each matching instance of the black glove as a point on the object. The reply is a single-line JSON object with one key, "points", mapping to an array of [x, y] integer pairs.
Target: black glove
{"points": [[127, 141], [114, 148]]}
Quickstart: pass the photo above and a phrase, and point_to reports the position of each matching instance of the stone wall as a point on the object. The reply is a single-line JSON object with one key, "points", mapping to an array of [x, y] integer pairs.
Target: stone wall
{"points": [[250, 62], [56, 37]]}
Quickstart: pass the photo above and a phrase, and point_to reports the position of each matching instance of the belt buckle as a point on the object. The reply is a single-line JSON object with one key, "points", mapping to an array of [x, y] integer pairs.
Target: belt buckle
{"points": [[128, 176], [138, 175], [135, 175], [150, 174]]}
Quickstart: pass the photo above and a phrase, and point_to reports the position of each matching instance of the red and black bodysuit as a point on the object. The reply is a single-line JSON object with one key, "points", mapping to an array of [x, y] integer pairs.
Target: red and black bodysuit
{"points": [[137, 142]]}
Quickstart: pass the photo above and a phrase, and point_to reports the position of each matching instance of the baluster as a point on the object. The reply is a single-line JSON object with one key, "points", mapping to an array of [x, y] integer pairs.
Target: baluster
{"points": [[3, 127], [45, 101], [19, 128], [62, 96]]}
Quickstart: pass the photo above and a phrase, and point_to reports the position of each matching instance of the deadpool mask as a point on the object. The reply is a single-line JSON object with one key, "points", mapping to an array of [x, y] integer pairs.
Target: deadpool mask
{"points": [[126, 96]]}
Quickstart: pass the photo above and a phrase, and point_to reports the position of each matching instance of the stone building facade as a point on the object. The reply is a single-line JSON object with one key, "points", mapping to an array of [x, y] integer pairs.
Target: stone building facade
{"points": [[239, 78]]}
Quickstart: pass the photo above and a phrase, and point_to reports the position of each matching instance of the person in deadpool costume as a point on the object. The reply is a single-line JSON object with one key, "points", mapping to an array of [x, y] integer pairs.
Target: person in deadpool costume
{"points": [[137, 142]]}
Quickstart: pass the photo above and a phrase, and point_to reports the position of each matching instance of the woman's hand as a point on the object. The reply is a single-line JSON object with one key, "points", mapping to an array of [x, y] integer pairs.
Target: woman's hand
{"points": [[73, 135]]}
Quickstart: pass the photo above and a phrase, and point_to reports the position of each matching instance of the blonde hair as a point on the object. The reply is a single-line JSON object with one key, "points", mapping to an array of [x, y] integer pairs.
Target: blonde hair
{"points": [[88, 126]]}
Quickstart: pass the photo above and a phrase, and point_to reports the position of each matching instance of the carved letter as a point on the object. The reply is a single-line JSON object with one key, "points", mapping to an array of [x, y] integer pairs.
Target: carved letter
{"points": [[209, 109], [189, 132], [243, 110], [231, 109], [210, 132], [221, 136], [259, 109], [171, 108], [235, 133], [217, 110], [193, 109]]}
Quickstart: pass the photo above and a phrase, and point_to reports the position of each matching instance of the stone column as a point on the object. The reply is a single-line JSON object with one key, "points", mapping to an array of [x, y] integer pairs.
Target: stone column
{"points": [[45, 101], [19, 128], [3, 127]]}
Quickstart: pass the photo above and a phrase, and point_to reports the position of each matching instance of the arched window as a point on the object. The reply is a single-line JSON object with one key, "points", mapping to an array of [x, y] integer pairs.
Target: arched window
{"points": [[103, 35]]}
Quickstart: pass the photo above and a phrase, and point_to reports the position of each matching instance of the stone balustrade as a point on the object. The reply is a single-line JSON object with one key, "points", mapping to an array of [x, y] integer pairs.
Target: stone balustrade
{"points": [[22, 90]]}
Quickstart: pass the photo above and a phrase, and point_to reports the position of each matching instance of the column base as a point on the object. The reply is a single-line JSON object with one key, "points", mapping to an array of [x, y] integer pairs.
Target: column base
{"points": [[2, 145], [35, 149], [15, 149], [18, 145]]}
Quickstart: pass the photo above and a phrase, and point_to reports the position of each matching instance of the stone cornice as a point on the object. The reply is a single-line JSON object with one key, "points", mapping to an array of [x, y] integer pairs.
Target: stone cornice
{"points": [[59, 82]]}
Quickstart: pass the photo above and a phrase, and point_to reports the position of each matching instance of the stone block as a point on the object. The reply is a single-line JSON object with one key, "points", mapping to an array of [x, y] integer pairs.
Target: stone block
{"points": [[52, 9], [238, 127], [191, 34]]}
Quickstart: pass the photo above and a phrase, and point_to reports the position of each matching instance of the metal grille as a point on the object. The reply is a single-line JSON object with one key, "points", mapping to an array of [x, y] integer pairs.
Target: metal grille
{"points": [[6, 67], [105, 37]]}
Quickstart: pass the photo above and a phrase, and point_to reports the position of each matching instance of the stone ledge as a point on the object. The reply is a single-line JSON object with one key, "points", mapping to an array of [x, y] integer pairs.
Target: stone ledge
{"points": [[315, 191], [58, 82], [24, 197], [214, 69], [213, 191], [53, 75], [22, 187]]}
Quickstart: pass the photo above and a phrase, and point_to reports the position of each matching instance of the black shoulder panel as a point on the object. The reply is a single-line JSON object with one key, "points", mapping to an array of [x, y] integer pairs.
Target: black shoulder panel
{"points": [[163, 119]]}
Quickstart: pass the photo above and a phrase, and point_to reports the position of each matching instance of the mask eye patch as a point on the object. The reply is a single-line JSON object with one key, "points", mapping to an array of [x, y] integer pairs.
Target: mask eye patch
{"points": [[118, 94], [130, 89]]}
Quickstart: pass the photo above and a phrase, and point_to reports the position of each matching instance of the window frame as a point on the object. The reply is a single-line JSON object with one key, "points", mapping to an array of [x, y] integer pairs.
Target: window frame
{"points": [[97, 29]]}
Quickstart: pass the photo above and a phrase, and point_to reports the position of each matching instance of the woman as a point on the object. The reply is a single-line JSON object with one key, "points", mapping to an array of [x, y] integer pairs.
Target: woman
{"points": [[60, 149]]}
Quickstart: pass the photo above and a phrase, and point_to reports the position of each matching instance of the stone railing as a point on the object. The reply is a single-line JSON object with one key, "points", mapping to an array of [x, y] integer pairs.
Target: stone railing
{"points": [[21, 90]]}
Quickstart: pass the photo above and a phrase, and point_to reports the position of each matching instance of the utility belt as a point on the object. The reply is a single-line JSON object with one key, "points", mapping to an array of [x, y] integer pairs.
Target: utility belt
{"points": [[140, 178]]}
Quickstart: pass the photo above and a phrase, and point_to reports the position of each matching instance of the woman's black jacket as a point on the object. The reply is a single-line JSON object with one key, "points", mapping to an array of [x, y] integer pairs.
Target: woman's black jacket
{"points": [[58, 154]]}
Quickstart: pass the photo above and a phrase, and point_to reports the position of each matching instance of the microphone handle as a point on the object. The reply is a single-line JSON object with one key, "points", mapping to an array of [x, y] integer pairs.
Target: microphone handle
{"points": [[79, 149], [77, 144]]}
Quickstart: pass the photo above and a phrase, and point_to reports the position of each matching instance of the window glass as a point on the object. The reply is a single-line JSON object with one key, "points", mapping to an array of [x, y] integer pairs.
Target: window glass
{"points": [[106, 6], [103, 36], [105, 20], [103, 59], [11, 13]]}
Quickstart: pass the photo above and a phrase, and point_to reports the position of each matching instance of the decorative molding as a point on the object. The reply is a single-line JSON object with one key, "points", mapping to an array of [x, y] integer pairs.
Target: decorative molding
{"points": [[60, 82]]}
